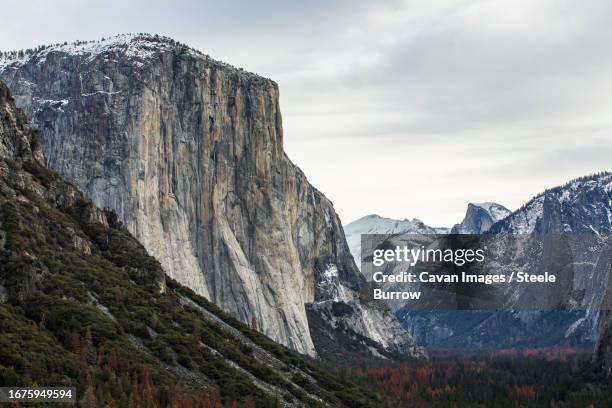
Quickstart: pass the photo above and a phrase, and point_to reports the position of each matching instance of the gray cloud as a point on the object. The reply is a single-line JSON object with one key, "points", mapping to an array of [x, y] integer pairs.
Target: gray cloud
{"points": [[403, 108]]}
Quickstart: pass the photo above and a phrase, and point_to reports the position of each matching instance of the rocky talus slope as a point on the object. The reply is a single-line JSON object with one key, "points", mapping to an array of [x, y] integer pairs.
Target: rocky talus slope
{"points": [[83, 305], [189, 153]]}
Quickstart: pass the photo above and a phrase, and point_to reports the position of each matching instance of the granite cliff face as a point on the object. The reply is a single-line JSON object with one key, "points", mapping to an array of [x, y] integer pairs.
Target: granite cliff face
{"points": [[479, 217], [62, 256], [189, 152], [17, 141]]}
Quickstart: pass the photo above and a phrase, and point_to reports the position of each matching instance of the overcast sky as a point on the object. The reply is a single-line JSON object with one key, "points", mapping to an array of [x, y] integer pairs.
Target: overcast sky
{"points": [[401, 108]]}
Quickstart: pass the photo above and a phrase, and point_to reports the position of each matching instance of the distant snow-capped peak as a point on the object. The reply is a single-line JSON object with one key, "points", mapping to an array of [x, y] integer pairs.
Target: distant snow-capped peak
{"points": [[375, 224], [495, 210], [479, 217]]}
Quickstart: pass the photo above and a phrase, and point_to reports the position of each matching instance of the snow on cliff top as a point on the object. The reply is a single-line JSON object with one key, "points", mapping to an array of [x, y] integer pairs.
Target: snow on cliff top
{"points": [[375, 224], [495, 210], [139, 48], [524, 220]]}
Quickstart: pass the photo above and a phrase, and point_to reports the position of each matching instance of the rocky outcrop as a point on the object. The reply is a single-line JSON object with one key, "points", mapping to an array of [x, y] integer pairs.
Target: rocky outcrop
{"points": [[18, 141], [479, 217], [189, 152]]}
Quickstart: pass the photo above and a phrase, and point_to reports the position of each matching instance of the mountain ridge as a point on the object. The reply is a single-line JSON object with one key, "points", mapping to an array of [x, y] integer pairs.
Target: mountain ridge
{"points": [[525, 218], [376, 224], [578, 207]]}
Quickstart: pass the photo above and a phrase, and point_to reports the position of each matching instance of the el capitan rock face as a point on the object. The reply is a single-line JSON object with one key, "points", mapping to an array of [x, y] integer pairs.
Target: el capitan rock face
{"points": [[189, 152], [62, 256]]}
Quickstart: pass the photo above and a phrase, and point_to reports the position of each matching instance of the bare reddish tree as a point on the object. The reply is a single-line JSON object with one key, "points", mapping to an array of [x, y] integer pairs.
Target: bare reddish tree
{"points": [[148, 390]]}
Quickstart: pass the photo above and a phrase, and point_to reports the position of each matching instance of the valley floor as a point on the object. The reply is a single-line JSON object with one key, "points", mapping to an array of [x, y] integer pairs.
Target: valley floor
{"points": [[561, 377]]}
